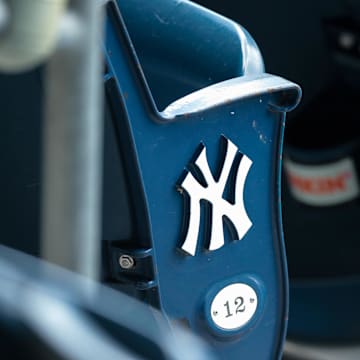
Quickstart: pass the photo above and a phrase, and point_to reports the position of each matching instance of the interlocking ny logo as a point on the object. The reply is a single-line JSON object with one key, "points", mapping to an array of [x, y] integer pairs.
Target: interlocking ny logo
{"points": [[213, 191]]}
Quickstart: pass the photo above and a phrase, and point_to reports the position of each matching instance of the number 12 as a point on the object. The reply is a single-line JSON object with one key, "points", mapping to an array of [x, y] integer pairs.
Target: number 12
{"points": [[240, 307]]}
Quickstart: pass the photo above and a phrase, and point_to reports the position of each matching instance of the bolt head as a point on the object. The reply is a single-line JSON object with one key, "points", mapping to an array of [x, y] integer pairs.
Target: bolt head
{"points": [[126, 262]]}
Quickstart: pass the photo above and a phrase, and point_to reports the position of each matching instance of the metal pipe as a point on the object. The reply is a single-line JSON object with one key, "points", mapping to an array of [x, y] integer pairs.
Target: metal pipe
{"points": [[30, 34], [73, 143]]}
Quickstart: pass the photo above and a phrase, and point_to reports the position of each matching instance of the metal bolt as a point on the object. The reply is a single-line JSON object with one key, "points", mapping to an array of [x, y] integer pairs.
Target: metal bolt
{"points": [[126, 262]]}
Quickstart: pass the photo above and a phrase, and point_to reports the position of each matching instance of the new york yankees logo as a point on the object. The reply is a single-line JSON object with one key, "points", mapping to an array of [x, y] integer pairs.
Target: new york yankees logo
{"points": [[213, 192]]}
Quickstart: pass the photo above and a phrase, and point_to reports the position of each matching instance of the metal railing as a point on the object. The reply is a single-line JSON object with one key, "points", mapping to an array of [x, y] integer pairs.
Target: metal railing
{"points": [[65, 34]]}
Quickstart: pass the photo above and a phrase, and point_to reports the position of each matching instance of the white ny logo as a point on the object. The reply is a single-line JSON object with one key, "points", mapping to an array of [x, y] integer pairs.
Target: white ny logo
{"points": [[213, 193]]}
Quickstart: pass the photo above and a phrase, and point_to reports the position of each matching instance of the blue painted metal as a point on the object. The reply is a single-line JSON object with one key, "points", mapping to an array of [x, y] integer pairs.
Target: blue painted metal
{"points": [[158, 146], [172, 52]]}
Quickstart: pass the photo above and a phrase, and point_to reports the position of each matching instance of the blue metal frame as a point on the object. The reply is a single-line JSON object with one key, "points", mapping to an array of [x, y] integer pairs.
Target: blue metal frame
{"points": [[250, 111]]}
